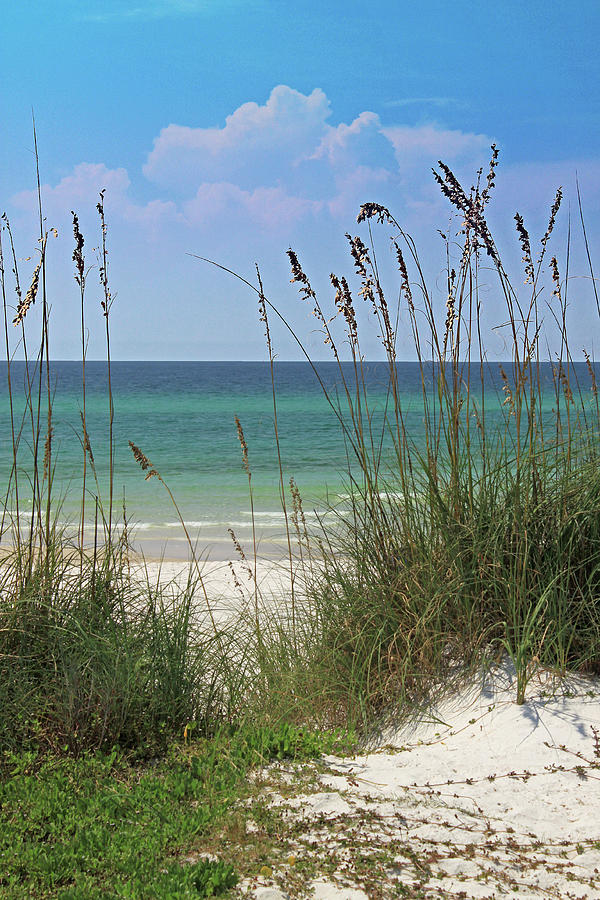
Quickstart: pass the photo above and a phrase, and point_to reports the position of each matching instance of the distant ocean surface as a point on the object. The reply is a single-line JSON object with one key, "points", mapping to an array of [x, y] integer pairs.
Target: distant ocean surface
{"points": [[181, 415]]}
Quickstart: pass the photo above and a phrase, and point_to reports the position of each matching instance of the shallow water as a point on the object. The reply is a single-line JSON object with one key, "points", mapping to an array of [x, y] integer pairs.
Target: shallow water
{"points": [[181, 414]]}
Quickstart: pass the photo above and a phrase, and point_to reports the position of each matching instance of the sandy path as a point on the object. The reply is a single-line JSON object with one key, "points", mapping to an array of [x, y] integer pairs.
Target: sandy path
{"points": [[480, 797], [500, 801]]}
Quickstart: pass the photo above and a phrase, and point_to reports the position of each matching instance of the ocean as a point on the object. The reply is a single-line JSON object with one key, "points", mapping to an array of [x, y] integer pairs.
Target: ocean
{"points": [[182, 416]]}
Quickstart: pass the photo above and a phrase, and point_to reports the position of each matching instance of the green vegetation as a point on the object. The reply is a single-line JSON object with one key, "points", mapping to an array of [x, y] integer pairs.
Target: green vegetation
{"points": [[481, 541], [102, 826]]}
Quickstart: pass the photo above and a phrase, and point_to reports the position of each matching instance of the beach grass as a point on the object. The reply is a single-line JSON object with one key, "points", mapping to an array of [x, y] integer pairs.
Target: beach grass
{"points": [[481, 537], [478, 541]]}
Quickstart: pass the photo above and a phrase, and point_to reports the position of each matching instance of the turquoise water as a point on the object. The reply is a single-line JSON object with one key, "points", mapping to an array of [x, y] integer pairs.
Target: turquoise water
{"points": [[181, 414]]}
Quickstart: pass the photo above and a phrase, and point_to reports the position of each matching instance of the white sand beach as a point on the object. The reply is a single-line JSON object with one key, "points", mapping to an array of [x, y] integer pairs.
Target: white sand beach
{"points": [[490, 800], [477, 797]]}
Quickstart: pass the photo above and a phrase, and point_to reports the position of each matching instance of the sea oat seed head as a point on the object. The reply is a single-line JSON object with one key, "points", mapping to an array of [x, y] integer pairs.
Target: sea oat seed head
{"points": [[370, 210], [143, 461], [555, 277], [23, 306], [553, 213], [526, 247], [591, 371], [243, 445], [78, 251]]}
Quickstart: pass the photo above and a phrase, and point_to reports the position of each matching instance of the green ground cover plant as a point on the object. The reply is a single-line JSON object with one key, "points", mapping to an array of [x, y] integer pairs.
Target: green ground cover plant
{"points": [[104, 825]]}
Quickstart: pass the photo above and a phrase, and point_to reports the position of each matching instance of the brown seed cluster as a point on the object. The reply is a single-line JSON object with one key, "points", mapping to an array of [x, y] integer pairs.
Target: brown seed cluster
{"points": [[591, 371], [307, 292], [78, 252], [48, 447], [566, 386], [508, 394], [553, 212], [262, 312], [343, 302], [29, 299], [102, 267], [526, 247], [491, 175], [86, 440], [143, 461], [243, 445], [374, 210], [471, 205], [555, 277], [404, 282]]}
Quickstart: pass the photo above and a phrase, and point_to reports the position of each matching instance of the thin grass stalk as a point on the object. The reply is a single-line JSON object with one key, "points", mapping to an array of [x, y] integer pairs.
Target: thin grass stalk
{"points": [[247, 469], [15, 468], [22, 306], [45, 352], [106, 304], [262, 306], [587, 247], [80, 277]]}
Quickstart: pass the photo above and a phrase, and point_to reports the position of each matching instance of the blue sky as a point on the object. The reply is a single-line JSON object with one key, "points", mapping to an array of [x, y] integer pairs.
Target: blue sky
{"points": [[234, 129]]}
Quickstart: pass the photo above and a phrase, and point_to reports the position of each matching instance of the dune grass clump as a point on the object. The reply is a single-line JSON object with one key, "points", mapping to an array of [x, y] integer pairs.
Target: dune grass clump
{"points": [[90, 656], [478, 537]]}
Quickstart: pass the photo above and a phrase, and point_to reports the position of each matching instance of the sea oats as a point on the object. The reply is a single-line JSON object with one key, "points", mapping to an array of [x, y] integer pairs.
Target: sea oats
{"points": [[374, 210], [29, 299], [526, 247], [240, 552], [404, 282], [143, 461], [591, 371], [307, 292], [78, 252], [471, 207], [262, 312], [564, 380], [491, 176], [553, 213], [555, 277], [48, 446], [297, 509], [343, 302], [243, 445], [86, 440], [509, 397]]}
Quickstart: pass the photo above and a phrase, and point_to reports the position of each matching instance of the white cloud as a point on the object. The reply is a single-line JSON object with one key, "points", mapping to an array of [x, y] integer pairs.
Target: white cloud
{"points": [[83, 185], [80, 192], [272, 166], [280, 173], [362, 143], [423, 145], [287, 145], [269, 207], [257, 144]]}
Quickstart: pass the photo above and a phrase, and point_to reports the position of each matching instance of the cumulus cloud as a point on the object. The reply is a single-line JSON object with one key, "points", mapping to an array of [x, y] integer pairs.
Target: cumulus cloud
{"points": [[286, 152], [272, 166], [256, 142], [424, 144], [283, 173], [80, 191], [269, 207], [81, 186]]}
